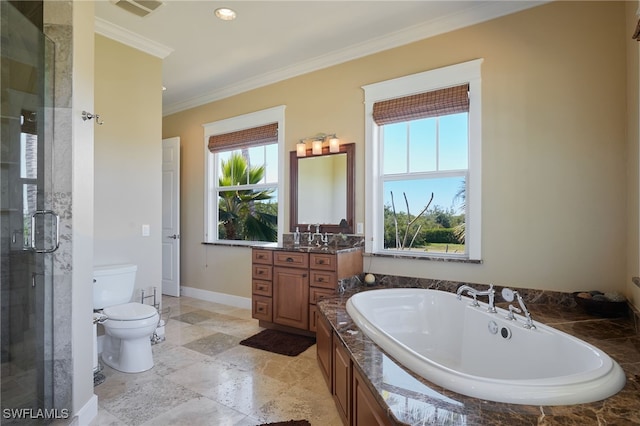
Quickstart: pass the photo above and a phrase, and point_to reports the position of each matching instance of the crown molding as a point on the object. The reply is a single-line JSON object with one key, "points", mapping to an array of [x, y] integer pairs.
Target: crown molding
{"points": [[131, 39], [481, 13]]}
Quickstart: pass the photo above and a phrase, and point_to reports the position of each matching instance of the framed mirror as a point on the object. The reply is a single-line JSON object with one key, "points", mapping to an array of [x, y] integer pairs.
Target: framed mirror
{"points": [[322, 190]]}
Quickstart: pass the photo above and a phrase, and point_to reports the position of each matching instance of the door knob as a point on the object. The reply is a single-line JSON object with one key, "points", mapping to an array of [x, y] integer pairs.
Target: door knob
{"points": [[174, 237]]}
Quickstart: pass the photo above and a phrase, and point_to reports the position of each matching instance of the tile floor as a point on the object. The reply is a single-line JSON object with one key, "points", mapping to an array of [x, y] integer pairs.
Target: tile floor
{"points": [[202, 376]]}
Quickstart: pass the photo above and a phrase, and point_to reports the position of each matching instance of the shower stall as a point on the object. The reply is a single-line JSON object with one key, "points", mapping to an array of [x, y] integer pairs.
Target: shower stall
{"points": [[28, 223]]}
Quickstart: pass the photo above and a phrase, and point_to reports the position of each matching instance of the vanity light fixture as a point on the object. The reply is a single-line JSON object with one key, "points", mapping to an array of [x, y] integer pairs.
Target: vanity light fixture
{"points": [[334, 144], [301, 148], [316, 144], [316, 147], [225, 14]]}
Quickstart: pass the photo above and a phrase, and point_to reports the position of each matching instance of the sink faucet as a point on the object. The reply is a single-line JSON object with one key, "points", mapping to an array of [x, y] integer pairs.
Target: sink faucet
{"points": [[312, 237], [490, 292]]}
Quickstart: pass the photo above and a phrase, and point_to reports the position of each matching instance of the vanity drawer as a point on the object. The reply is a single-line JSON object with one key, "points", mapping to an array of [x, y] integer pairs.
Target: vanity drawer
{"points": [[262, 272], [262, 256], [316, 294], [263, 288], [323, 261], [323, 279], [262, 308], [291, 259]]}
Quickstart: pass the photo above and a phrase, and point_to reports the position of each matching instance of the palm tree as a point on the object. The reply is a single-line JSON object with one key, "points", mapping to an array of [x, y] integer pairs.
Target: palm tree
{"points": [[241, 213]]}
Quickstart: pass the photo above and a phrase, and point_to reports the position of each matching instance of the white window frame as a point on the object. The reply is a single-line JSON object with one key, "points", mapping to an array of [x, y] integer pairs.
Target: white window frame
{"points": [[233, 124], [466, 72]]}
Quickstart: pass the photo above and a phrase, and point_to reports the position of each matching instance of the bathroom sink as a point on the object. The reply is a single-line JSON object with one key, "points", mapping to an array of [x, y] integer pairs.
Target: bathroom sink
{"points": [[473, 352]]}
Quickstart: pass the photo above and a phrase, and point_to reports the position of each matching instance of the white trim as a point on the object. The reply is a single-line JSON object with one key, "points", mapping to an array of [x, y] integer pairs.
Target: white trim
{"points": [[481, 13], [241, 122], [131, 39], [216, 297], [88, 412], [417, 83]]}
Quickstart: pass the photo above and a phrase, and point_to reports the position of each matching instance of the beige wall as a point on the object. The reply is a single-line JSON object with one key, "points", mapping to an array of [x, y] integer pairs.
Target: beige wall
{"points": [[633, 157], [128, 160], [554, 149]]}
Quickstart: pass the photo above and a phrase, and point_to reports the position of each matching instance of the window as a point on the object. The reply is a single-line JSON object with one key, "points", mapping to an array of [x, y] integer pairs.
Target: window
{"points": [[423, 135], [244, 178]]}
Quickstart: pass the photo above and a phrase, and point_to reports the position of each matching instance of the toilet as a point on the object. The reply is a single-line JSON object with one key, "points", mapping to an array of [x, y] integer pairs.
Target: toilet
{"points": [[129, 325]]}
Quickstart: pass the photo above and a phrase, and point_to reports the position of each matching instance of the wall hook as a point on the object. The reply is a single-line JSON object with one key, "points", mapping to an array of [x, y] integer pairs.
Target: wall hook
{"points": [[88, 116]]}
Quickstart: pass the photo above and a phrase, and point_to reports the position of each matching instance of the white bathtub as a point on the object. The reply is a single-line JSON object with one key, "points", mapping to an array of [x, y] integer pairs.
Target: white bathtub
{"points": [[450, 343]]}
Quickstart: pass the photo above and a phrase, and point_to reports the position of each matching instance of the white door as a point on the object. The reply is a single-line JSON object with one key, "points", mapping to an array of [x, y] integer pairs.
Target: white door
{"points": [[171, 217]]}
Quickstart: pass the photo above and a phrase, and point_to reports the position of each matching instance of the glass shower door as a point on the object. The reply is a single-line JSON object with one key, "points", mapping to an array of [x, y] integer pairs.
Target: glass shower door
{"points": [[28, 226]]}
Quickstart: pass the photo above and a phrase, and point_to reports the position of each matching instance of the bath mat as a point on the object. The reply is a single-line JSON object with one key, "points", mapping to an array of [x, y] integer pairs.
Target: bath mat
{"points": [[288, 423], [279, 342]]}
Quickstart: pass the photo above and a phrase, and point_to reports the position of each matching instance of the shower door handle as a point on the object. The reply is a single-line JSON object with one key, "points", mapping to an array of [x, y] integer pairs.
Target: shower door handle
{"points": [[56, 223]]}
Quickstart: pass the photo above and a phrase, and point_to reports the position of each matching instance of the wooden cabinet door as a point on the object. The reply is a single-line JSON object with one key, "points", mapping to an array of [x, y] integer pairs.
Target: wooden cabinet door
{"points": [[324, 347], [341, 388], [366, 411], [291, 297]]}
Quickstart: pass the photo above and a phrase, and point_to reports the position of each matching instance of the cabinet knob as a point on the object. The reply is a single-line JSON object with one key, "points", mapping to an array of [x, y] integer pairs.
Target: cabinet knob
{"points": [[320, 279], [289, 259], [321, 262]]}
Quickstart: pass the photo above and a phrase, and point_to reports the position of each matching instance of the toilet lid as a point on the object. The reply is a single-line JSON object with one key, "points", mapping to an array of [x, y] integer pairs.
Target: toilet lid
{"points": [[129, 312]]}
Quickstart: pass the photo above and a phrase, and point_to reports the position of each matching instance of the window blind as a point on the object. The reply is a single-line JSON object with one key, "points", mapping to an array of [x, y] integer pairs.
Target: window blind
{"points": [[450, 100], [242, 138]]}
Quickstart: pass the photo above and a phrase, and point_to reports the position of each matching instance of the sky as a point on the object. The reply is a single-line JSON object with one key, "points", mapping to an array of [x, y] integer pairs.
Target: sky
{"points": [[426, 147]]}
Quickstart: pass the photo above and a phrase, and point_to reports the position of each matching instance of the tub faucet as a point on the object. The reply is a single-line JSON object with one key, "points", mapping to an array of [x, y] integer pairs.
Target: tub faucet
{"points": [[490, 292], [529, 324]]}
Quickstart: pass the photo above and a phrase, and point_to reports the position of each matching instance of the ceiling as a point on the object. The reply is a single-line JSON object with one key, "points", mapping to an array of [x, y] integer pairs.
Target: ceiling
{"points": [[205, 59]]}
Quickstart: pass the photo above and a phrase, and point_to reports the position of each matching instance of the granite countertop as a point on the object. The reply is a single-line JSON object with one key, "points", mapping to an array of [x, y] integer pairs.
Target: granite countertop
{"points": [[310, 249], [412, 400]]}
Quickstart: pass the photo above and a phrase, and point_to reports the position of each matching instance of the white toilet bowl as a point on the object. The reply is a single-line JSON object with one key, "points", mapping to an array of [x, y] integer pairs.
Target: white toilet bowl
{"points": [[128, 330]]}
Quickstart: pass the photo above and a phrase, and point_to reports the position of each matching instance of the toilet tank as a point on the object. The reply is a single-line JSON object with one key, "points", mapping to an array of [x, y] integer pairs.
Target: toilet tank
{"points": [[113, 285]]}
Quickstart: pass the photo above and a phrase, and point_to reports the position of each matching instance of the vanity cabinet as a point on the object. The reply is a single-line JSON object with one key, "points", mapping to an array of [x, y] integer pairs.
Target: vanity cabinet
{"points": [[290, 297], [365, 409], [324, 349], [354, 400], [341, 389], [286, 285], [261, 285], [325, 269]]}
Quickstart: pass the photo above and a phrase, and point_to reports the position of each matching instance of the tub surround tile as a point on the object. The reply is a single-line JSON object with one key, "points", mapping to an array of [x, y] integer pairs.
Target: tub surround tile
{"points": [[415, 401]]}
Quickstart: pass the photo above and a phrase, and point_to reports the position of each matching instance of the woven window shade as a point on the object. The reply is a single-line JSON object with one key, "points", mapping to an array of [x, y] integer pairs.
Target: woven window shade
{"points": [[242, 138], [450, 100]]}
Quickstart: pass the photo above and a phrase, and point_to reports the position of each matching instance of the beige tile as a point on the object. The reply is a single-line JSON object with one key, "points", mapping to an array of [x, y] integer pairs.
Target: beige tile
{"points": [[298, 403], [213, 344], [198, 411], [170, 358], [241, 390], [180, 333], [234, 326], [104, 418], [203, 376]]}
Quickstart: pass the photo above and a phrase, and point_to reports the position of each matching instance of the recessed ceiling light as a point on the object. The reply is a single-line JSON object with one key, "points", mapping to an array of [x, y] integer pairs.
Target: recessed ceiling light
{"points": [[225, 14]]}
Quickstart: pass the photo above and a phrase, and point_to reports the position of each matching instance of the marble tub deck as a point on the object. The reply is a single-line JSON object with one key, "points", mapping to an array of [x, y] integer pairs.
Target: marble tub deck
{"points": [[415, 401]]}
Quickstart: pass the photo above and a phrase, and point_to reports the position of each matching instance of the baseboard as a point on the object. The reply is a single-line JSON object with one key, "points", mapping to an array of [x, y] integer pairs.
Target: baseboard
{"points": [[87, 413], [214, 296]]}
